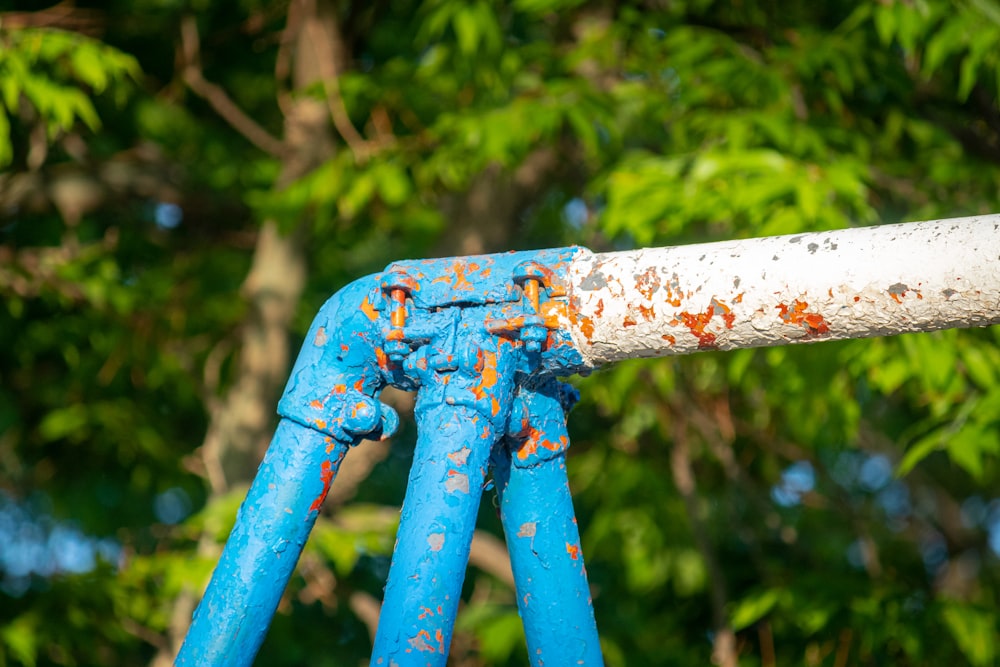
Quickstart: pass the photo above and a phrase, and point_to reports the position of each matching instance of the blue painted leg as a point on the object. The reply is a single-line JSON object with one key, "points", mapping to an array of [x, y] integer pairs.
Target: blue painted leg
{"points": [[263, 548], [435, 535], [536, 509]]}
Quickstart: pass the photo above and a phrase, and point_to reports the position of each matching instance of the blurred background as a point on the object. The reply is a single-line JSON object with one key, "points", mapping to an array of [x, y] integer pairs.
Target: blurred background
{"points": [[183, 183]]}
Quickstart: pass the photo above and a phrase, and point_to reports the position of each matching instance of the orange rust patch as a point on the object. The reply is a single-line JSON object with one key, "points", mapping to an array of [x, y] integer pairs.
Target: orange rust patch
{"points": [[459, 270], [381, 358], [486, 365], [739, 298], [648, 314], [369, 310], [628, 321], [813, 323], [316, 404], [536, 439], [696, 324], [599, 310], [553, 312], [424, 645], [673, 292], [587, 327], [720, 308], [648, 282], [573, 550], [670, 339], [326, 476]]}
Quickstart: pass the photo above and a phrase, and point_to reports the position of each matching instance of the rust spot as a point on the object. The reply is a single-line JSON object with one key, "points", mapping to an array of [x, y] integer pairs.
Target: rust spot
{"points": [[553, 312], [739, 298], [813, 323], [382, 358], [425, 612], [536, 439], [573, 550], [648, 282], [696, 324], [326, 476], [674, 293], [856, 299], [316, 404], [670, 339], [599, 310], [628, 321], [459, 270], [587, 327], [456, 481], [720, 308], [898, 292], [422, 641], [460, 457], [648, 314], [369, 310], [486, 365]]}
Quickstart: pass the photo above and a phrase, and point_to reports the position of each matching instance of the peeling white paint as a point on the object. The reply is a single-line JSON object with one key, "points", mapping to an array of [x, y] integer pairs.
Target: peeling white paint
{"points": [[852, 283]]}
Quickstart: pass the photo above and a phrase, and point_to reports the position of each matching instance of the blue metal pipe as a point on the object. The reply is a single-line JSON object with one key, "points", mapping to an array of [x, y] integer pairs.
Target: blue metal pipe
{"points": [[466, 390], [271, 528], [536, 509], [434, 538], [328, 406]]}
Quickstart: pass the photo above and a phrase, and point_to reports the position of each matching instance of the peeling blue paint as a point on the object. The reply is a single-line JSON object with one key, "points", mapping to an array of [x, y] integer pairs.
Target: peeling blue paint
{"points": [[468, 334], [272, 525], [536, 508]]}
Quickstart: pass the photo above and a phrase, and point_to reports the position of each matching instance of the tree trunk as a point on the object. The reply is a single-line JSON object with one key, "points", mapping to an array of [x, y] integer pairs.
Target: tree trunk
{"points": [[242, 421]]}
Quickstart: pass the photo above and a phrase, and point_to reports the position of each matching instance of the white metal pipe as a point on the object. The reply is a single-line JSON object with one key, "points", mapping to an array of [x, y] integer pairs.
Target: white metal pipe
{"points": [[850, 283]]}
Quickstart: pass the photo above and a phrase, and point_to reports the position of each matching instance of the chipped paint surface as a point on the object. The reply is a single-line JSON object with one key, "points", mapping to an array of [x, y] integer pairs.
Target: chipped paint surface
{"points": [[480, 340], [853, 283], [329, 405], [435, 534], [536, 509]]}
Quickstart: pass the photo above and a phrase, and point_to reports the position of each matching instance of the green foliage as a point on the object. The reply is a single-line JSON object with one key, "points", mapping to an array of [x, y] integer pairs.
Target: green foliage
{"points": [[56, 72], [845, 493]]}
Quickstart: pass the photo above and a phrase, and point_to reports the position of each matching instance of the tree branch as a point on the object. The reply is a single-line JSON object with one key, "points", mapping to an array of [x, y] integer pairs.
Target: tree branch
{"points": [[724, 645], [329, 71], [217, 97]]}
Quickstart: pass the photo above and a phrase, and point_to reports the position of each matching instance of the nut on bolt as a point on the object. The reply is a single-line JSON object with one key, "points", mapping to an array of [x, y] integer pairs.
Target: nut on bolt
{"points": [[398, 286], [532, 277]]}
